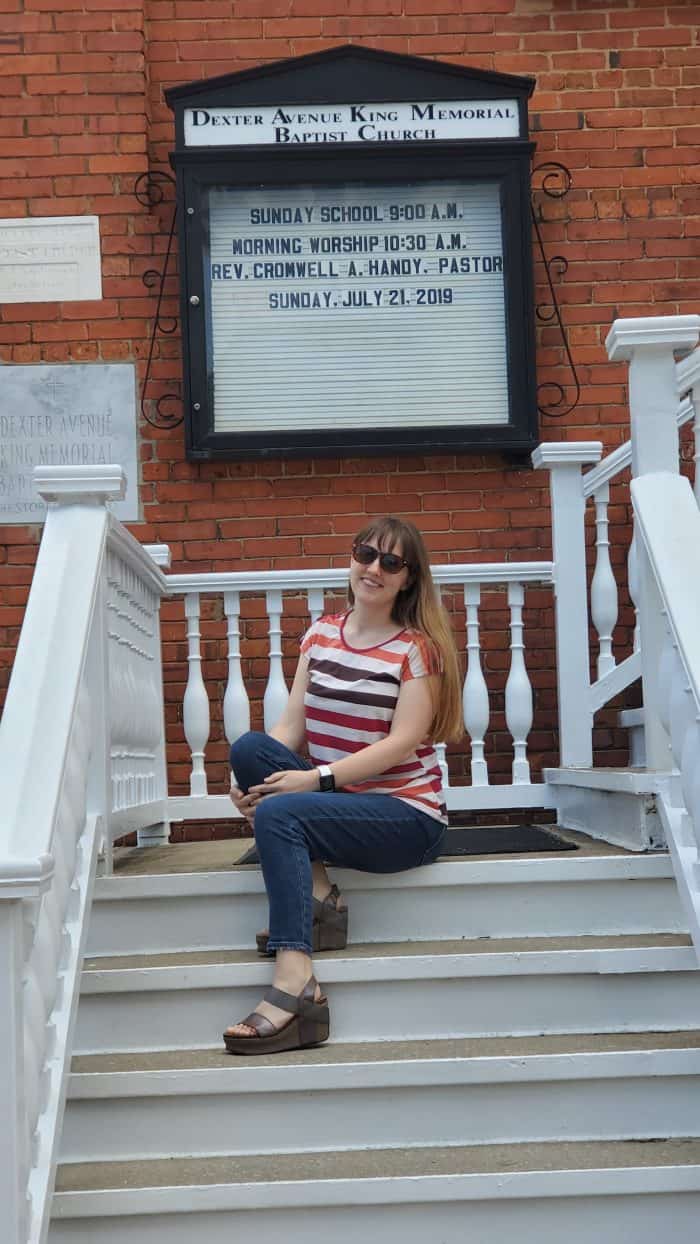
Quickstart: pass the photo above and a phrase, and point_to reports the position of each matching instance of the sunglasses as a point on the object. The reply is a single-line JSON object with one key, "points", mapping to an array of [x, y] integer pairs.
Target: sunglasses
{"points": [[365, 554]]}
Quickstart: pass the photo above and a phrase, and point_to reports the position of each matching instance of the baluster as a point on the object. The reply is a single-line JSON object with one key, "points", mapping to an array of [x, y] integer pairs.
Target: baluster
{"points": [[475, 696], [195, 708], [276, 693], [236, 702], [633, 585], [316, 599], [441, 748], [603, 587], [518, 688]]}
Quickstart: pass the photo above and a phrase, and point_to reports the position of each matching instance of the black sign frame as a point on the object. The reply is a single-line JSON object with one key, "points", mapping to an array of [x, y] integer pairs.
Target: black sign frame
{"points": [[504, 161]]}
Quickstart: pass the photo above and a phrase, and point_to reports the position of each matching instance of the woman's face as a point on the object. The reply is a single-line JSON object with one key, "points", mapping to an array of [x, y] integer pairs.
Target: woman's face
{"points": [[372, 584]]}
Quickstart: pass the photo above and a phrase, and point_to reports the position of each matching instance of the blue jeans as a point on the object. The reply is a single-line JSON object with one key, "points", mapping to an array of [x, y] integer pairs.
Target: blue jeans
{"points": [[373, 833]]}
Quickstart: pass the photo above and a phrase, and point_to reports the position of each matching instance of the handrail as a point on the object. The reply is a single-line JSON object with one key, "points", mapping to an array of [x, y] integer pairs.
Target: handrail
{"points": [[688, 371], [445, 574], [89, 620], [668, 523], [621, 457]]}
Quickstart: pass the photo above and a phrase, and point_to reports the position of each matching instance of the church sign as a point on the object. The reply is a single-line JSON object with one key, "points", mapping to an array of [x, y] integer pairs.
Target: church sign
{"points": [[357, 275]]}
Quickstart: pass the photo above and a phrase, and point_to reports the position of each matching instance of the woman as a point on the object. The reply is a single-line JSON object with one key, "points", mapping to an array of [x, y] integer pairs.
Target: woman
{"points": [[375, 687]]}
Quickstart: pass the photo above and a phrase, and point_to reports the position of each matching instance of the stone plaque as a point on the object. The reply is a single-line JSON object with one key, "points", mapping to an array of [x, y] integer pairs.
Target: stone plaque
{"points": [[50, 259], [71, 414]]}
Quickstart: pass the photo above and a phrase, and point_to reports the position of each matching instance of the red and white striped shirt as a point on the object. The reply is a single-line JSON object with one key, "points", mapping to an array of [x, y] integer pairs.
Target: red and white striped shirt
{"points": [[350, 702]]}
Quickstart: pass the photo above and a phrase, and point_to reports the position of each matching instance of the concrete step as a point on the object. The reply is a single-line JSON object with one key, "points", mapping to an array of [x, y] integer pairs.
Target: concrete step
{"points": [[395, 991], [583, 1193], [382, 1094], [527, 896]]}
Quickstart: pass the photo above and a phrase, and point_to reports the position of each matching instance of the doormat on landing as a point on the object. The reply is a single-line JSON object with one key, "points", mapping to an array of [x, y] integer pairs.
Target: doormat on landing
{"points": [[503, 840], [485, 840]]}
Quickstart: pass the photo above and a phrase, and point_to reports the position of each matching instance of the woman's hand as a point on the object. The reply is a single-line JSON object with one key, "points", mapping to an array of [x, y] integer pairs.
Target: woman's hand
{"points": [[245, 804], [287, 782]]}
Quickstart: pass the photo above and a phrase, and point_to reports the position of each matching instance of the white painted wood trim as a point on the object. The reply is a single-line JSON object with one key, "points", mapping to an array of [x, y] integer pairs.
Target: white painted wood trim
{"points": [[260, 581], [63, 1020], [397, 1073], [135, 555], [85, 485], [670, 332], [465, 874], [627, 781], [375, 968], [688, 371], [402, 1190], [615, 681], [457, 798], [621, 458], [669, 526], [566, 453]]}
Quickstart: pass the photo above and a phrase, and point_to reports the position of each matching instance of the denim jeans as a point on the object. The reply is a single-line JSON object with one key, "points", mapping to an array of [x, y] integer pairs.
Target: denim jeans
{"points": [[373, 833]]}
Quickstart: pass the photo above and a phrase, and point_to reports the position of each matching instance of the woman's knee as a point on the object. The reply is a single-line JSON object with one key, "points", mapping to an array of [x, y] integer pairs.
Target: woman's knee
{"points": [[245, 749]]}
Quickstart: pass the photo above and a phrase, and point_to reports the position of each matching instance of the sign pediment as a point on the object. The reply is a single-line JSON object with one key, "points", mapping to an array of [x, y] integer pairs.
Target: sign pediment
{"points": [[350, 74]]}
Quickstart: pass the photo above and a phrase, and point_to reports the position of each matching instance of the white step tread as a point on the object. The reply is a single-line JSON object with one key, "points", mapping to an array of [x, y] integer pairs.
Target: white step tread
{"points": [[95, 1067], [473, 871], [399, 960], [378, 1174], [449, 1092]]}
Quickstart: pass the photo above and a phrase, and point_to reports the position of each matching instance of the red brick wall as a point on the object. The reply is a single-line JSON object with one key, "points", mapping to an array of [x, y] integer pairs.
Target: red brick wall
{"points": [[82, 114]]}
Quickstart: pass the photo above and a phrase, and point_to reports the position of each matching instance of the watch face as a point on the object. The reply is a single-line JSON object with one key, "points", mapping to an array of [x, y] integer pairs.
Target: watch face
{"points": [[326, 782]]}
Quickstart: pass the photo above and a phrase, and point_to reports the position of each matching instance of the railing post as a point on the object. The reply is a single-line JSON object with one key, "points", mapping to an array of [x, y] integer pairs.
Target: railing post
{"points": [[564, 461], [14, 1149], [648, 345]]}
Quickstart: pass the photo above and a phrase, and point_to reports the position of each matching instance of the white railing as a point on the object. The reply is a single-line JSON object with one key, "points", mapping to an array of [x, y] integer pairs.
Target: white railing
{"points": [[81, 756], [509, 580], [668, 523], [664, 393], [82, 742]]}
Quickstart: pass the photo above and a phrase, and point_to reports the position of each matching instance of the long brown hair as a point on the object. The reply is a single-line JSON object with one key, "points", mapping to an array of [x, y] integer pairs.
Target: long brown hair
{"points": [[418, 607]]}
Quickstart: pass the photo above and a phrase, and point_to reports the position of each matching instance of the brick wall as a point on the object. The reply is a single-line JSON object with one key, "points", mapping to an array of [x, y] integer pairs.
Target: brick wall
{"points": [[82, 114]]}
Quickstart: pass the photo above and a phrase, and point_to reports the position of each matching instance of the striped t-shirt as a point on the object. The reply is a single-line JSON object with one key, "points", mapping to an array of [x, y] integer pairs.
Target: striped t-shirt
{"points": [[350, 702]]}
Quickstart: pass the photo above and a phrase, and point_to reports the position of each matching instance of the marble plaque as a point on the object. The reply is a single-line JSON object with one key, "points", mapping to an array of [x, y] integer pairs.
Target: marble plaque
{"points": [[69, 414], [50, 259]]}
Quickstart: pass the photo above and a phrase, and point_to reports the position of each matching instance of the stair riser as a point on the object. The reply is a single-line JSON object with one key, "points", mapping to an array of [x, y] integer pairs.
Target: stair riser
{"points": [[397, 1009], [643, 1219], [430, 913], [335, 1119]]}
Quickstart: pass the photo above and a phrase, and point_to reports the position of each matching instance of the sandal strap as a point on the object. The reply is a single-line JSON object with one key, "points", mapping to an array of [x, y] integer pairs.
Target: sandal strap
{"points": [[263, 1026], [331, 899], [302, 1004]]}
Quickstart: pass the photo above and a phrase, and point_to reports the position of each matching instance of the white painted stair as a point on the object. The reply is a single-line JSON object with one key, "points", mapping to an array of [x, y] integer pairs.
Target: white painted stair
{"points": [[514, 1040]]}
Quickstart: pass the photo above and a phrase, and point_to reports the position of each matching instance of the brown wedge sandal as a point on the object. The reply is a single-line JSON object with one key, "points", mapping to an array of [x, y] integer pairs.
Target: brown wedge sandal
{"points": [[308, 1024], [329, 930]]}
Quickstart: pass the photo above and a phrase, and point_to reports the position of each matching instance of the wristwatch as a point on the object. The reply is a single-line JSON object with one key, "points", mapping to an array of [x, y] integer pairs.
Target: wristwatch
{"points": [[326, 781]]}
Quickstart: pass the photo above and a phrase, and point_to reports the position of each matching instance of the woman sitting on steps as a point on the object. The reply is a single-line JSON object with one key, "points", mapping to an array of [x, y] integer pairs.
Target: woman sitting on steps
{"points": [[375, 688]]}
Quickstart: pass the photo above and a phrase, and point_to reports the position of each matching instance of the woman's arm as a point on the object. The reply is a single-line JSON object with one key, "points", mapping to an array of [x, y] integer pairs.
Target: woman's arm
{"points": [[415, 709], [291, 727]]}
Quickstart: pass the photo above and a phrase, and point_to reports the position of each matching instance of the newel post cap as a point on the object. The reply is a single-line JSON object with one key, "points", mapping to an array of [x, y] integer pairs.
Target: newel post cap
{"points": [[91, 485], [670, 332], [566, 453], [160, 553]]}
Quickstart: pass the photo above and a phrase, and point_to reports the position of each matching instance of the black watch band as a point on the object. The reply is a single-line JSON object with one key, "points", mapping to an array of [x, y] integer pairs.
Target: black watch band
{"points": [[326, 781]]}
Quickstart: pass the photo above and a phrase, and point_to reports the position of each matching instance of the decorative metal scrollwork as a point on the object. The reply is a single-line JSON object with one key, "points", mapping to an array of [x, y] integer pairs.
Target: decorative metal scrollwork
{"points": [[149, 190], [552, 399]]}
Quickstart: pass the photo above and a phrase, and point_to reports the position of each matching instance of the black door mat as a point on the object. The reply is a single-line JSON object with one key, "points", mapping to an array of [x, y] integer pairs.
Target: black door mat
{"points": [[485, 840], [503, 840]]}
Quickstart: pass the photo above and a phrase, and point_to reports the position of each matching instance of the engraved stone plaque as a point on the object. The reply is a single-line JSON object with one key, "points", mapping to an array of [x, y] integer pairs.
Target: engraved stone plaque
{"points": [[69, 414], [50, 259]]}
